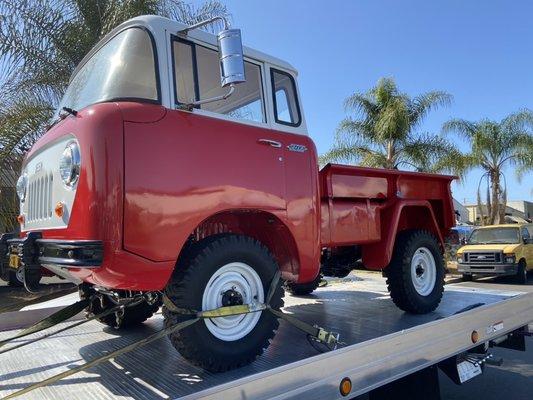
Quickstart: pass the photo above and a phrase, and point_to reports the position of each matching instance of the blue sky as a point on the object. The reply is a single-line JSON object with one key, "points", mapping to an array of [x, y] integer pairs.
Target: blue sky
{"points": [[479, 51]]}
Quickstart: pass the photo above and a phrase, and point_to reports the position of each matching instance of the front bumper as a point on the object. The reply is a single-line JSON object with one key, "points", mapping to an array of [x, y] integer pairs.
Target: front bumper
{"points": [[488, 269], [33, 251]]}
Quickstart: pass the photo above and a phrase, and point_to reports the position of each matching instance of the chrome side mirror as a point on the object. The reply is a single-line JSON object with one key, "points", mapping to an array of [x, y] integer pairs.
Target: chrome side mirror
{"points": [[231, 57]]}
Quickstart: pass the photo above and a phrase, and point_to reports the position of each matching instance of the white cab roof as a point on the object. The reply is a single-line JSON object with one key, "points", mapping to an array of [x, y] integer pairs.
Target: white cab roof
{"points": [[158, 25]]}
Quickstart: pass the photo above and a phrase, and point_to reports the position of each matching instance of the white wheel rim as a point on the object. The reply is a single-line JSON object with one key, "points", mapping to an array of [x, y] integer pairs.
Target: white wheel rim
{"points": [[235, 277], [423, 271]]}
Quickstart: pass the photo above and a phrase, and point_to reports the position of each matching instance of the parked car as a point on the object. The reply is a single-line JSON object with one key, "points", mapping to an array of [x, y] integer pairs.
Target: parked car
{"points": [[498, 250]]}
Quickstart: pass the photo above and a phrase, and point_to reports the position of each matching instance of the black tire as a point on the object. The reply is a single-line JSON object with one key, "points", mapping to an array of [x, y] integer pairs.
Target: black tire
{"points": [[133, 316], [186, 288], [521, 274], [468, 277], [32, 279], [13, 281], [303, 289], [399, 280]]}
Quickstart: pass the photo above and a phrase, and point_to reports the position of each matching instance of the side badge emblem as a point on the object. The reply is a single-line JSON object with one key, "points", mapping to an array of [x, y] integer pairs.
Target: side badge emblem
{"points": [[298, 148]]}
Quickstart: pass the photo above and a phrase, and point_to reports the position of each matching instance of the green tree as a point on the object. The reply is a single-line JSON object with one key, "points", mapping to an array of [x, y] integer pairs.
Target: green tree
{"points": [[493, 147], [42, 41], [381, 131]]}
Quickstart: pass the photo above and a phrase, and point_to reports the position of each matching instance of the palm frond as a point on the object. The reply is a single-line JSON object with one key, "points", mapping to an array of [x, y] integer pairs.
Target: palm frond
{"points": [[348, 154], [422, 104], [462, 127]]}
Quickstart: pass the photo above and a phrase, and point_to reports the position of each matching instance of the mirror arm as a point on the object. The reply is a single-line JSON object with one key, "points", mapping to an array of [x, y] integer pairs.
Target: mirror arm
{"points": [[206, 22], [190, 106]]}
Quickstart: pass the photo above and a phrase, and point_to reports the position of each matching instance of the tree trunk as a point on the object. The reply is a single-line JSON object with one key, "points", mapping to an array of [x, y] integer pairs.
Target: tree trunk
{"points": [[390, 154], [494, 217]]}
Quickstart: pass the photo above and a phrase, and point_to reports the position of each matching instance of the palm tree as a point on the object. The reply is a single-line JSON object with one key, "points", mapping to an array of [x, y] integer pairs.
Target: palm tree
{"points": [[42, 41], [495, 145], [382, 132]]}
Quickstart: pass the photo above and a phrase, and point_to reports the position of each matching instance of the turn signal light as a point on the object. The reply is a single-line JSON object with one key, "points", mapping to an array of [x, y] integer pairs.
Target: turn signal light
{"points": [[345, 387], [20, 219], [475, 336], [59, 209]]}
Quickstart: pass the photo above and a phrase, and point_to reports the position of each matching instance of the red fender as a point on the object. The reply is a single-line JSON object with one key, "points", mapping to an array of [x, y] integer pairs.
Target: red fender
{"points": [[377, 255]]}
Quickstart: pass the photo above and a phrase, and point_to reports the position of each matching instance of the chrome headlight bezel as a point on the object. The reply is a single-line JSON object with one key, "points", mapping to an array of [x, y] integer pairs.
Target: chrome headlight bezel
{"points": [[70, 165], [510, 258], [21, 186]]}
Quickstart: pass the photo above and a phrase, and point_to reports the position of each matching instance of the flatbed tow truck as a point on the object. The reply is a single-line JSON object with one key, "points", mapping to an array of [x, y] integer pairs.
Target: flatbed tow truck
{"points": [[383, 350]]}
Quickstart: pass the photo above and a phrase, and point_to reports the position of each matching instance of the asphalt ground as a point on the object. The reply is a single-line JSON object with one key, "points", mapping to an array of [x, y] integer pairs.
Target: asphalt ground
{"points": [[511, 381]]}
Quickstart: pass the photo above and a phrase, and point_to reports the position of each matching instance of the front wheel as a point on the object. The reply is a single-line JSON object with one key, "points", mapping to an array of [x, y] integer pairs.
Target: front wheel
{"points": [[415, 276], [222, 271], [521, 274]]}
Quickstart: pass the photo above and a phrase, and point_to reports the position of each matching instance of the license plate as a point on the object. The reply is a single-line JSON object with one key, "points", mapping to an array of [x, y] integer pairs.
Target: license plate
{"points": [[14, 261], [467, 371]]}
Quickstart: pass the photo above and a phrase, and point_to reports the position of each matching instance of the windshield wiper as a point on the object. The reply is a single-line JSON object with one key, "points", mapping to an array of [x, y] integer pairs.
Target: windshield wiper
{"points": [[62, 115], [70, 111]]}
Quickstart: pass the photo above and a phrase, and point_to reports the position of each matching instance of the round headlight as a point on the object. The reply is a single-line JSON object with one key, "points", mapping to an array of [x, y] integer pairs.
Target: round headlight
{"points": [[22, 182], [69, 164]]}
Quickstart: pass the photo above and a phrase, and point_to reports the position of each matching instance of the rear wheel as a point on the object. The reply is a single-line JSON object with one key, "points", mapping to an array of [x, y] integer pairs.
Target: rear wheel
{"points": [[521, 274], [223, 271], [303, 289], [129, 317], [16, 278], [415, 276]]}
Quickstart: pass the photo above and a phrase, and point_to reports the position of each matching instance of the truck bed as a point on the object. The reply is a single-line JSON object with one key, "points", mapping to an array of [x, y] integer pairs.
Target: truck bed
{"points": [[359, 309], [368, 206]]}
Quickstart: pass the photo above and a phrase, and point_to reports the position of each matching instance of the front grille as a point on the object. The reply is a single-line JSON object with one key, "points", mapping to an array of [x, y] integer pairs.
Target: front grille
{"points": [[40, 205], [486, 257]]}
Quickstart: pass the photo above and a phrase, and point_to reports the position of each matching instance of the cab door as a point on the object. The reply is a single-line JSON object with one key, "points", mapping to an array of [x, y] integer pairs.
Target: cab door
{"points": [[233, 132]]}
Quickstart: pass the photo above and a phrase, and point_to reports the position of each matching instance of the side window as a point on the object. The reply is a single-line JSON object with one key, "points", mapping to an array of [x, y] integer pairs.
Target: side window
{"points": [[286, 107], [197, 76], [525, 233]]}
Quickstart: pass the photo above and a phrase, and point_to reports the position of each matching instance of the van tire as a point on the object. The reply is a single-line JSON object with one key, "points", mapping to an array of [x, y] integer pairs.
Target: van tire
{"points": [[402, 272], [521, 273], [468, 277], [191, 283]]}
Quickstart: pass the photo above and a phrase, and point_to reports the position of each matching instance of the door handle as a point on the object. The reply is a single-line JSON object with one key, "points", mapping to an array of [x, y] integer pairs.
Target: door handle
{"points": [[269, 142]]}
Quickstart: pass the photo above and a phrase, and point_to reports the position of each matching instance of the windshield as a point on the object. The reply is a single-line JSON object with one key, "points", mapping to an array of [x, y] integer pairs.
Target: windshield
{"points": [[494, 236], [124, 68]]}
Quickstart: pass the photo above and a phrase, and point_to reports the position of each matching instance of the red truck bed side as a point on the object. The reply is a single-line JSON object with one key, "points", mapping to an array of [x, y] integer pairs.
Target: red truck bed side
{"points": [[368, 206]]}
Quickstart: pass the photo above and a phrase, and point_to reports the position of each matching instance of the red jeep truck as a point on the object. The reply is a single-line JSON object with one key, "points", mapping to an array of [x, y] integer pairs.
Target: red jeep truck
{"points": [[180, 164]]}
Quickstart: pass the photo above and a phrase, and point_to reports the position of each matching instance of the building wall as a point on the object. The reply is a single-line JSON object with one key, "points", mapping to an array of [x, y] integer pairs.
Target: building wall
{"points": [[462, 210], [526, 207], [514, 208]]}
